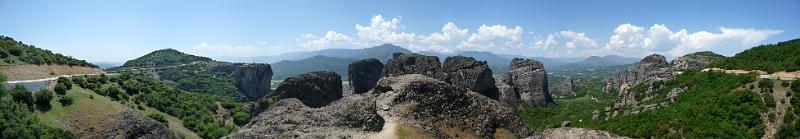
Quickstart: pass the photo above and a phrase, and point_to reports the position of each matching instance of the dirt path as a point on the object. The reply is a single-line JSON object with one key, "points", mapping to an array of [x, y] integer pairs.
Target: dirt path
{"points": [[31, 72], [779, 94]]}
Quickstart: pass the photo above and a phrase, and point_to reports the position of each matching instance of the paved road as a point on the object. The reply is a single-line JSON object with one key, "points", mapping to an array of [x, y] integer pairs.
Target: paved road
{"points": [[37, 84]]}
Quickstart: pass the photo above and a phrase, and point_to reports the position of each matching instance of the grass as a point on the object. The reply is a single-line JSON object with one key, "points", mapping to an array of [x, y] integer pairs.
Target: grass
{"points": [[574, 110], [411, 132]]}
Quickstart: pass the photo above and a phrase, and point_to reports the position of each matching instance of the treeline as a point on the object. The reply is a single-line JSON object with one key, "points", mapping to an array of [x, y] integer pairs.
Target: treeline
{"points": [[195, 78], [14, 52], [164, 57], [196, 110], [710, 107], [16, 114], [783, 56]]}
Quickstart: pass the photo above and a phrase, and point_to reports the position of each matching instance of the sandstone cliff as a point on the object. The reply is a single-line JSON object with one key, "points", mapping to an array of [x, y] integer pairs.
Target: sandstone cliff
{"points": [[314, 89], [253, 80], [528, 80]]}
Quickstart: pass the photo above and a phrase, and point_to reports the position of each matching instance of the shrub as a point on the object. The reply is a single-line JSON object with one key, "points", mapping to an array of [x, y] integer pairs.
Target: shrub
{"points": [[67, 82], [43, 97], [20, 94], [241, 118], [158, 117], [60, 89], [66, 100], [785, 84]]}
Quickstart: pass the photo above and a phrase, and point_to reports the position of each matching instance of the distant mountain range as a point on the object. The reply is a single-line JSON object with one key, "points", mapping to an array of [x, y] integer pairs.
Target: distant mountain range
{"points": [[597, 61], [289, 68]]}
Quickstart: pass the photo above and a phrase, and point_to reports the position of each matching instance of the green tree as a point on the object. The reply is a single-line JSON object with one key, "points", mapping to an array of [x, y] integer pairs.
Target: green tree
{"points": [[60, 89], [21, 94], [66, 81], [43, 97], [66, 100]]}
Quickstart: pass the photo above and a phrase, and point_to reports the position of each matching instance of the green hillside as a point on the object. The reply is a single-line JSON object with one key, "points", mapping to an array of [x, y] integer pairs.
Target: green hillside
{"points": [[164, 57], [286, 68], [14, 52], [783, 56], [17, 119]]}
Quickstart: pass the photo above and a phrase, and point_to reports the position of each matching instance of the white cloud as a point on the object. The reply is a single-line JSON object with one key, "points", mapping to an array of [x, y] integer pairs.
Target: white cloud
{"points": [[728, 41], [547, 43], [331, 39], [381, 31], [449, 36], [494, 37], [212, 50], [576, 39]]}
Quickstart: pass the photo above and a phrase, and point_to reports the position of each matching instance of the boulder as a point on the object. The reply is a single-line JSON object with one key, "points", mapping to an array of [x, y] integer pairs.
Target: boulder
{"points": [[529, 80], [565, 88], [289, 118], [253, 80], [468, 73], [402, 64], [439, 109], [314, 89], [128, 123], [364, 74], [576, 133]]}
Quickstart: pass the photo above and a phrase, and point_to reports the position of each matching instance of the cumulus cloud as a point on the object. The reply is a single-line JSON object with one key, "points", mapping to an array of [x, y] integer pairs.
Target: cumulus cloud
{"points": [[381, 31], [450, 35], [331, 39], [212, 50], [494, 36], [575, 39]]}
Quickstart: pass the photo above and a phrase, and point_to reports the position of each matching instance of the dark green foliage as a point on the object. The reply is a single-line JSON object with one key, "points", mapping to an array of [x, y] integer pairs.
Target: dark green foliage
{"points": [[769, 100], [67, 82], [785, 84], [709, 108], [22, 95], [60, 89], [783, 56], [164, 57], [765, 85], [28, 54], [66, 100], [158, 117], [796, 86], [43, 98], [17, 121], [194, 78], [241, 118]]}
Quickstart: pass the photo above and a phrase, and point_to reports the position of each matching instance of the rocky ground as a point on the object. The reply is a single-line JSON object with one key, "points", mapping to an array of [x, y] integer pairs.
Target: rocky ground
{"points": [[30, 72]]}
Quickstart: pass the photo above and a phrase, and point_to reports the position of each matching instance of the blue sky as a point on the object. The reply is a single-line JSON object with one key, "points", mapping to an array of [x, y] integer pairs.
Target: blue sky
{"points": [[115, 31]]}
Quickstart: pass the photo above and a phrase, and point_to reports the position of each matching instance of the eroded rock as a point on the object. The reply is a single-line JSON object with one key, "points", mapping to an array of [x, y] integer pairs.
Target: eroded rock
{"points": [[314, 89], [364, 74], [529, 80]]}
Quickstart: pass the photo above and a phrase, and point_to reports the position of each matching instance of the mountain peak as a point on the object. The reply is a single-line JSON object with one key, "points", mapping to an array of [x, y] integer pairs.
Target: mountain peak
{"points": [[164, 57]]}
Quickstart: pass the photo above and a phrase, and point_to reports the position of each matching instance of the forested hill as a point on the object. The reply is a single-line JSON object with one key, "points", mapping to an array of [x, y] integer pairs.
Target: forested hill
{"points": [[783, 56], [13, 52], [164, 57]]}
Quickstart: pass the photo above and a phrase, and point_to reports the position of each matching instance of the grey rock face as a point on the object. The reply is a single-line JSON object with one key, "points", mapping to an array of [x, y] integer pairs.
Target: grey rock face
{"points": [[507, 93], [565, 88], [364, 74], [314, 89], [576, 133], [130, 124], [402, 64], [651, 68], [471, 74], [697, 60], [529, 80], [289, 118], [251, 79], [435, 106]]}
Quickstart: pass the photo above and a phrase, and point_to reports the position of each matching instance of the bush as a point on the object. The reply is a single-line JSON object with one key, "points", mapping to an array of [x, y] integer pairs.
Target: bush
{"points": [[158, 117], [241, 118], [60, 89], [769, 100], [43, 97], [785, 84], [66, 100], [20, 94], [67, 82]]}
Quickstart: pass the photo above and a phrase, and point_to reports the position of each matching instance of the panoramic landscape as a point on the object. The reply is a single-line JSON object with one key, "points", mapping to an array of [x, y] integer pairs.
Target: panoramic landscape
{"points": [[400, 69]]}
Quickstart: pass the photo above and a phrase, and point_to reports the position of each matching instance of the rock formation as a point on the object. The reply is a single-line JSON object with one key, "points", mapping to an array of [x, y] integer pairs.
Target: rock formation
{"points": [[364, 74], [251, 79], [564, 89], [507, 94], [443, 110], [314, 89], [576, 133], [402, 64], [468, 73], [289, 118], [697, 60], [127, 123], [651, 68], [529, 81]]}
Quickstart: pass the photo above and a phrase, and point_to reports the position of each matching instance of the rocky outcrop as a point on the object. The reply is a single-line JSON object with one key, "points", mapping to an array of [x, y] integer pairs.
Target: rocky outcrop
{"points": [[402, 64], [444, 110], [698, 60], [468, 73], [129, 124], [507, 94], [528, 80], [564, 89], [314, 89], [364, 74], [576, 133], [651, 68], [251, 79], [289, 118]]}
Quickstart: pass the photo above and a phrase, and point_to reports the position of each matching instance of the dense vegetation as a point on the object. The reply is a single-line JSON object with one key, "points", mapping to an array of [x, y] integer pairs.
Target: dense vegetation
{"points": [[791, 121], [783, 56], [14, 52], [17, 119], [196, 110], [164, 57], [194, 78], [711, 107]]}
